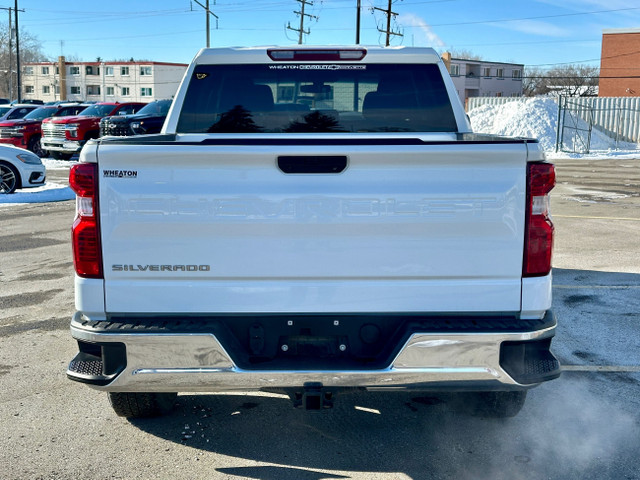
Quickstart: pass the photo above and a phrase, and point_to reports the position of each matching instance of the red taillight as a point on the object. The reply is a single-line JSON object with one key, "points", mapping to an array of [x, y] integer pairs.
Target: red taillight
{"points": [[85, 233], [82, 179], [538, 246]]}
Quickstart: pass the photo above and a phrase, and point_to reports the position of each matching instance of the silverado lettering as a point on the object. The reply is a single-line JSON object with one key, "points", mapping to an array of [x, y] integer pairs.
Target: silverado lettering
{"points": [[160, 268]]}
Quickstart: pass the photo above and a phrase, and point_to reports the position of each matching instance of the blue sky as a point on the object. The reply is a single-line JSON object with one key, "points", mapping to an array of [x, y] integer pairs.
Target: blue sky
{"points": [[536, 32]]}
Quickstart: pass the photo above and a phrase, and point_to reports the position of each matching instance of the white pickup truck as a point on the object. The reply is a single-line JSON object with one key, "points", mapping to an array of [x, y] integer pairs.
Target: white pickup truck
{"points": [[312, 220]]}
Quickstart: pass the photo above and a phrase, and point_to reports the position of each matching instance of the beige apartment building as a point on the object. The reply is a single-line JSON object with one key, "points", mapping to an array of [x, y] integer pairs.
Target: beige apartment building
{"points": [[480, 78], [101, 81]]}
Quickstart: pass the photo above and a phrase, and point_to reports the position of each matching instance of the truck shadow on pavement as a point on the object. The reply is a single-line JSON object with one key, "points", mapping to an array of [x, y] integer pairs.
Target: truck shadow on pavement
{"points": [[566, 430], [410, 433], [583, 425]]}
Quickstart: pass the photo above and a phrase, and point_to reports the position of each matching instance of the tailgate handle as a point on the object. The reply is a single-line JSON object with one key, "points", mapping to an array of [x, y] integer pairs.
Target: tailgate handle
{"points": [[312, 163]]}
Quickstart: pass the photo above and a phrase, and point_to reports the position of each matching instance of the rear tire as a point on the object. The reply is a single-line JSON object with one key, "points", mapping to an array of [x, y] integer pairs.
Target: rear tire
{"points": [[36, 147], [61, 155], [142, 404], [495, 404], [9, 178]]}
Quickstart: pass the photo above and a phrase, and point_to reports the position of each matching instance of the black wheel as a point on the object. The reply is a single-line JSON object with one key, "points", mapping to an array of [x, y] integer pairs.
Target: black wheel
{"points": [[494, 404], [36, 147], [9, 178], [61, 155], [142, 404]]}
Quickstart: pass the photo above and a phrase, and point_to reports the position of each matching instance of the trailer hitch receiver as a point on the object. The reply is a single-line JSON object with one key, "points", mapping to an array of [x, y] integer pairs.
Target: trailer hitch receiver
{"points": [[313, 397]]}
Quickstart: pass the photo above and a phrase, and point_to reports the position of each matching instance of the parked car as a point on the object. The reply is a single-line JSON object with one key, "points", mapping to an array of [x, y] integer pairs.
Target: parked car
{"points": [[64, 136], [67, 102], [29, 101], [13, 112], [148, 120], [4, 100], [26, 132], [19, 168]]}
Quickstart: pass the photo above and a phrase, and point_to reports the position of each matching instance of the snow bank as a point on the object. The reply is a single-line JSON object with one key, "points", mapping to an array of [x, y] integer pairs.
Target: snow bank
{"points": [[538, 118], [53, 164], [533, 118], [50, 192]]}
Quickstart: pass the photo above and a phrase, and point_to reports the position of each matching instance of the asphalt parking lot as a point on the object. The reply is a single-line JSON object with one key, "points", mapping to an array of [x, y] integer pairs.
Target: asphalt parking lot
{"points": [[585, 425]]}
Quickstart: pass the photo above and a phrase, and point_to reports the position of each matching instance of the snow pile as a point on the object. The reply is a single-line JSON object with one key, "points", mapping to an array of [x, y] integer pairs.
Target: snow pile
{"points": [[52, 164], [538, 118], [50, 192], [532, 118]]}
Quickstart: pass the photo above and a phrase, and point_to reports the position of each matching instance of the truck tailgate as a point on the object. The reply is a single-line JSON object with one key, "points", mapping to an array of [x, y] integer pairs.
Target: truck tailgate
{"points": [[195, 228]]}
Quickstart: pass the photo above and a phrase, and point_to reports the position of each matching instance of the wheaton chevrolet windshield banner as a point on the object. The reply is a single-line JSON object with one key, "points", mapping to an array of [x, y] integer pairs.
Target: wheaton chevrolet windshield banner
{"points": [[317, 67]]}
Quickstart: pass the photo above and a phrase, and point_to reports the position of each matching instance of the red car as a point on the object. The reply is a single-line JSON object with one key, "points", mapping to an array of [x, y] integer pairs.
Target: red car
{"points": [[26, 132], [64, 136]]}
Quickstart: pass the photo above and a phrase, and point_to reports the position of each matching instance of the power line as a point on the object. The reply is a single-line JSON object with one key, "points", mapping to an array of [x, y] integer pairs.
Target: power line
{"points": [[537, 42], [533, 18], [234, 7], [626, 54], [125, 37], [133, 15], [105, 16]]}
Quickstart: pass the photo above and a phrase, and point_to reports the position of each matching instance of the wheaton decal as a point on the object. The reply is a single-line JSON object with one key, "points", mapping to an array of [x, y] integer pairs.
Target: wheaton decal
{"points": [[120, 173], [160, 268]]}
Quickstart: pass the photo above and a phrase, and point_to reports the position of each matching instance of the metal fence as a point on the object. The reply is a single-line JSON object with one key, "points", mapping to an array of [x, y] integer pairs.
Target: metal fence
{"points": [[474, 102], [616, 117], [575, 125]]}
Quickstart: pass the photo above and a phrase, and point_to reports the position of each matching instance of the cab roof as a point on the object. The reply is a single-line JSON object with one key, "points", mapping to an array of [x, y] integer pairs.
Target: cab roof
{"points": [[314, 54]]}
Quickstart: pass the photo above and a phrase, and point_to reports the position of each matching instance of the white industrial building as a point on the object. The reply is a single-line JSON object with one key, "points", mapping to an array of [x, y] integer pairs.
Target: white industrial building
{"points": [[479, 78], [134, 81]]}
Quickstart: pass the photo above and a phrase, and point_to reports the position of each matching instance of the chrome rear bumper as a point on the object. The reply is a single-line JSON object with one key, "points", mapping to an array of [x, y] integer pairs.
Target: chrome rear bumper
{"points": [[197, 362]]}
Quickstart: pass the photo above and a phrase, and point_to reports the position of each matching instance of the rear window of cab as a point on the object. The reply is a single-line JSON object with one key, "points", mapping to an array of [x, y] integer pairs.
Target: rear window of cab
{"points": [[322, 98]]}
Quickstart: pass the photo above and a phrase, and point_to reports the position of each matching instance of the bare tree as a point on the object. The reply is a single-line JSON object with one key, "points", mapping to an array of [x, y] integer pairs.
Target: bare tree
{"points": [[465, 55], [532, 81], [30, 51], [566, 80]]}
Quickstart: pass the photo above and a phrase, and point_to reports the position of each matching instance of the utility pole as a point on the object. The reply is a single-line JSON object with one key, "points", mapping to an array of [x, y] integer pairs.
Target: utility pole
{"points": [[9, 11], [207, 24], [301, 31], [388, 31], [18, 54], [358, 8]]}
